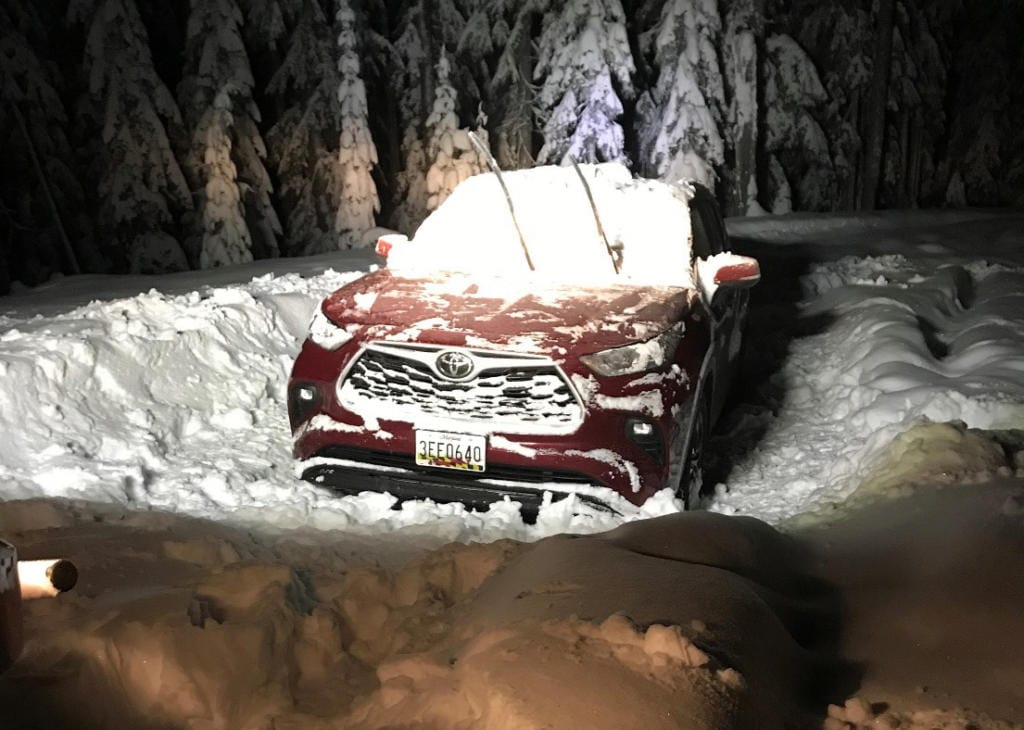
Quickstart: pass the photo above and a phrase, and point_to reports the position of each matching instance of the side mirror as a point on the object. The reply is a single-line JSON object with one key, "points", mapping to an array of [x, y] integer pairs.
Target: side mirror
{"points": [[389, 241], [735, 272], [727, 271]]}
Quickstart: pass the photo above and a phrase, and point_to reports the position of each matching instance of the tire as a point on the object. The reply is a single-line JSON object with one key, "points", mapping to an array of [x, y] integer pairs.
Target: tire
{"points": [[691, 481]]}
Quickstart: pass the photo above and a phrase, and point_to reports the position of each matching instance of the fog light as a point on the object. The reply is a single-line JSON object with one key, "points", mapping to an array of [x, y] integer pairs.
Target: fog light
{"points": [[645, 434], [303, 400], [641, 428]]}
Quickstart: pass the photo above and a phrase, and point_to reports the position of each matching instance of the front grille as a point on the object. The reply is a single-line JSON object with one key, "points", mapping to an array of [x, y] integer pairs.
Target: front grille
{"points": [[517, 394]]}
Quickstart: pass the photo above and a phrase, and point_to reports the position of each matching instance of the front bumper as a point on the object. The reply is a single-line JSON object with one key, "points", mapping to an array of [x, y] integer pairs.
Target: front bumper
{"points": [[346, 448], [331, 469], [352, 459]]}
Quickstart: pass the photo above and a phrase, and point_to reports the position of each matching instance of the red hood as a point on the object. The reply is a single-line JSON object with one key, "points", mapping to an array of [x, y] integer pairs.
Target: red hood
{"points": [[542, 318]]}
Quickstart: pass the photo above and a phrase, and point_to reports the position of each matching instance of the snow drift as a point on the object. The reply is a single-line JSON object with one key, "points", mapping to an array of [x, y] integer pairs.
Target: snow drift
{"points": [[689, 621]]}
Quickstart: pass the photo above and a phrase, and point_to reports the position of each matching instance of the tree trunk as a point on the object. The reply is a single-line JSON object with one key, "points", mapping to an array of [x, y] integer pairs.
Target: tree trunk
{"points": [[914, 164], [902, 174], [850, 187], [742, 80], [874, 109]]}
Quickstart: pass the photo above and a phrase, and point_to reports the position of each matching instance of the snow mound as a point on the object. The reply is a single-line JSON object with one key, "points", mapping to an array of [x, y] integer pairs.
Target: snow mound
{"points": [[646, 223], [693, 620], [149, 400], [885, 355]]}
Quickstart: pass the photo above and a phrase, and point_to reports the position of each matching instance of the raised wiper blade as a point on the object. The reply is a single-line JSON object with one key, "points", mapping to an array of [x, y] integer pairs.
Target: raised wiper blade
{"points": [[493, 164], [597, 218]]}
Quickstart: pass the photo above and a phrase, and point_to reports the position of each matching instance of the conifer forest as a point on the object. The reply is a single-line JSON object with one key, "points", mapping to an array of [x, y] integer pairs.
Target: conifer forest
{"points": [[148, 136]]}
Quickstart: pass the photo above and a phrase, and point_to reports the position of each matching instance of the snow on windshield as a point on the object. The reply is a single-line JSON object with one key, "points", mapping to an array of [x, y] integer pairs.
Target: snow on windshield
{"points": [[646, 221]]}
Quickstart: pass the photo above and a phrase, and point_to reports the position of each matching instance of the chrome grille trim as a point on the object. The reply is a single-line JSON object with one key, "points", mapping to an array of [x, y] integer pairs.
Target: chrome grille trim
{"points": [[506, 392]]}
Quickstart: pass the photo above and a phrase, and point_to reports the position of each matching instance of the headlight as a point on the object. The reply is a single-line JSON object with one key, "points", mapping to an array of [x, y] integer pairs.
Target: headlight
{"points": [[325, 333], [637, 358]]}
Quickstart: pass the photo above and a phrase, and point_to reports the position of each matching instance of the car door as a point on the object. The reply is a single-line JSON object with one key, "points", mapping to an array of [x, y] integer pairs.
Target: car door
{"points": [[709, 238]]}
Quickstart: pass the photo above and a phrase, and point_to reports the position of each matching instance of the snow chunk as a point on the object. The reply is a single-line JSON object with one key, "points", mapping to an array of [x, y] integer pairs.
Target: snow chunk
{"points": [[326, 334]]}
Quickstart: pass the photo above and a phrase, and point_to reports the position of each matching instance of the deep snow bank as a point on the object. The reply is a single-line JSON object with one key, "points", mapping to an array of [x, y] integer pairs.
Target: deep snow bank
{"points": [[688, 621], [890, 349], [172, 401]]}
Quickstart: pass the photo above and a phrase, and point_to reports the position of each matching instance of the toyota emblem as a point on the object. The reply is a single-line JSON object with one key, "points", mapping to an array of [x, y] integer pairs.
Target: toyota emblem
{"points": [[454, 365]]}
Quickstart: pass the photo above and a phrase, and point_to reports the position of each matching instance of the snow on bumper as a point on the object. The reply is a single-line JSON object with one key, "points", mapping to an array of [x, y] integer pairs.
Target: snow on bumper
{"points": [[517, 466]]}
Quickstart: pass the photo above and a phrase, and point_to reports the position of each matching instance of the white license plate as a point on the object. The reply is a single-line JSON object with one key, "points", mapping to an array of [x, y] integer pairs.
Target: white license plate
{"points": [[462, 451]]}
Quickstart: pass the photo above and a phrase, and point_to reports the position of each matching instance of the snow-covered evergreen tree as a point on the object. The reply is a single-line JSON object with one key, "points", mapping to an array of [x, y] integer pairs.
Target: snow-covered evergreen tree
{"points": [[682, 117], [412, 49], [412, 184], [795, 140], [583, 53], [33, 124], [141, 188], [407, 84], [834, 31], [740, 53], [226, 238], [321, 146], [450, 151], [301, 142], [382, 71], [497, 41], [916, 106], [985, 148], [265, 20], [793, 135], [985, 71], [236, 218], [357, 197]]}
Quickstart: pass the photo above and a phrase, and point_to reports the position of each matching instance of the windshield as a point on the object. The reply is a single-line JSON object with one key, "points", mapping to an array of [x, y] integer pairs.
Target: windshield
{"points": [[647, 223]]}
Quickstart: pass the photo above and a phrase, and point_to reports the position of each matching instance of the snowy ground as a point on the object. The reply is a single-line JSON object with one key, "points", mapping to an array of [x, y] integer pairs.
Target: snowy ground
{"points": [[173, 398], [151, 402]]}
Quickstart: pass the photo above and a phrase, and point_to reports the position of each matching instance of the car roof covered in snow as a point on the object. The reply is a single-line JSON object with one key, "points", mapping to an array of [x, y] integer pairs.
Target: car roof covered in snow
{"points": [[646, 221]]}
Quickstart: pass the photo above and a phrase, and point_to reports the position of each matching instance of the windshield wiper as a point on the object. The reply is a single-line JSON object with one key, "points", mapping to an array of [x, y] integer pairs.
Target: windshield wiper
{"points": [[597, 218], [493, 164]]}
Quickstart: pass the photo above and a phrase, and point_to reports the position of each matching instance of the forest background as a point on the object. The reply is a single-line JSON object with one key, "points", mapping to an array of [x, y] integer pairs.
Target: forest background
{"points": [[148, 136]]}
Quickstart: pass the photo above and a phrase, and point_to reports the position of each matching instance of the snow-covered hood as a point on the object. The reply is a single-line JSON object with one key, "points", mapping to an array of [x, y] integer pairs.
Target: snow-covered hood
{"points": [[495, 312]]}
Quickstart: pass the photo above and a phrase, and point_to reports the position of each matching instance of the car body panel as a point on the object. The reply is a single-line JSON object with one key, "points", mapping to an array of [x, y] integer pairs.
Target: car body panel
{"points": [[491, 312]]}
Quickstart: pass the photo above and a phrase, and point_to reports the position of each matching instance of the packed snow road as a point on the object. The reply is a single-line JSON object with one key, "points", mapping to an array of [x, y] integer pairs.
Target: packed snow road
{"points": [[174, 398]]}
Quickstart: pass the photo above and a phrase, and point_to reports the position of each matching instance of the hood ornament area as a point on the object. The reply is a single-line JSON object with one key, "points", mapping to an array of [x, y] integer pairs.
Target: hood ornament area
{"points": [[454, 365]]}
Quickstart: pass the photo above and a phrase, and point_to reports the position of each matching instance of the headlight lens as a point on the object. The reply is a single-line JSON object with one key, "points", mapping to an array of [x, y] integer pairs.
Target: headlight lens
{"points": [[325, 333], [641, 357]]}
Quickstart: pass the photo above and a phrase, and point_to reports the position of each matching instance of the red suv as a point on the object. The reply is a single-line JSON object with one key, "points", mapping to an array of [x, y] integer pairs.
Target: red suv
{"points": [[556, 330]]}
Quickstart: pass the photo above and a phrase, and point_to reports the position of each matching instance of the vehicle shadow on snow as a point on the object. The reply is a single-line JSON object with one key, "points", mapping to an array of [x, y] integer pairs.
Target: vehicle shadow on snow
{"points": [[774, 322]]}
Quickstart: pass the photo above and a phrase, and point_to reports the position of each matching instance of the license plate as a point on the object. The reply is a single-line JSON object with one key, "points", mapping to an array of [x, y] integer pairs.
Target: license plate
{"points": [[462, 451]]}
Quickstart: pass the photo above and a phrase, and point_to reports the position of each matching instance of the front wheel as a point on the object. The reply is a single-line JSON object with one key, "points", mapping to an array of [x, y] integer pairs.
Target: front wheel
{"points": [[691, 482]]}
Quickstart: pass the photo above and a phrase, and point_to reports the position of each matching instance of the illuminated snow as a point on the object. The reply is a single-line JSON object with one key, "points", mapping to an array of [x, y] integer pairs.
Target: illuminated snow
{"points": [[473, 231], [177, 401]]}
